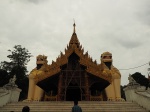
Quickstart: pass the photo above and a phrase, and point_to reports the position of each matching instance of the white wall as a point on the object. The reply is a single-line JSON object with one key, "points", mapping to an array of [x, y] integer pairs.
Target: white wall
{"points": [[140, 97], [9, 95]]}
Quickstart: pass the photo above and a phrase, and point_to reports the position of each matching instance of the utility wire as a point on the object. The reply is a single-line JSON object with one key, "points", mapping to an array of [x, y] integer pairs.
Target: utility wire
{"points": [[135, 67]]}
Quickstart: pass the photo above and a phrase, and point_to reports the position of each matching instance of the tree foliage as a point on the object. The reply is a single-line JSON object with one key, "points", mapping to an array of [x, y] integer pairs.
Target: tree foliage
{"points": [[4, 77], [141, 79], [19, 57], [122, 92]]}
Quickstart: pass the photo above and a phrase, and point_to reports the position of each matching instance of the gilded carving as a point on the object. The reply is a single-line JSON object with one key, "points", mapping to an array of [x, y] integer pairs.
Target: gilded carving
{"points": [[113, 90], [35, 92], [105, 70]]}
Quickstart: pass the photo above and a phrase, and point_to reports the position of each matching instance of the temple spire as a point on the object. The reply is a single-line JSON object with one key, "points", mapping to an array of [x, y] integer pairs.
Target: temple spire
{"points": [[74, 25], [74, 39]]}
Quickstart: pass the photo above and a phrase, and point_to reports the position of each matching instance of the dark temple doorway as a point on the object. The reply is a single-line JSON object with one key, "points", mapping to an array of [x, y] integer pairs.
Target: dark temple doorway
{"points": [[73, 93]]}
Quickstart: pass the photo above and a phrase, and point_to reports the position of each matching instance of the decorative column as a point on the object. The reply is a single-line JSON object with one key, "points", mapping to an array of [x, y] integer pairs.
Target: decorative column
{"points": [[87, 93], [59, 88]]}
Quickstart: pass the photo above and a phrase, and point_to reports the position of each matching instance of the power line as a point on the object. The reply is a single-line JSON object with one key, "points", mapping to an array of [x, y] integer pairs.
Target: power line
{"points": [[135, 67]]}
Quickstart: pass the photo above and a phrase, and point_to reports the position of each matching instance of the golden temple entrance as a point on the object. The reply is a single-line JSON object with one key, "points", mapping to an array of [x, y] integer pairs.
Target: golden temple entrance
{"points": [[74, 75], [73, 83]]}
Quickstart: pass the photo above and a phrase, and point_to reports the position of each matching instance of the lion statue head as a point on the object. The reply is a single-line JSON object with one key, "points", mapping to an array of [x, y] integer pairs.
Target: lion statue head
{"points": [[106, 58], [41, 60]]}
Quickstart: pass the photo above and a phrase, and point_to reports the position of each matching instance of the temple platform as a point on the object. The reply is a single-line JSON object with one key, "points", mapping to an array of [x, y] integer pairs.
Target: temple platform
{"points": [[65, 106]]}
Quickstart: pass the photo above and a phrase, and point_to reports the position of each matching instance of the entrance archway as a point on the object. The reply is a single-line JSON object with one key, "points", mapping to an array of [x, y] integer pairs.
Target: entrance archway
{"points": [[73, 93]]}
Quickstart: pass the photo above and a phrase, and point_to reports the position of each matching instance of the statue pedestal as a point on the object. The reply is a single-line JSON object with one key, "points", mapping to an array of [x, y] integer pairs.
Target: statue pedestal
{"points": [[10, 92], [15, 93], [4, 96], [9, 95], [130, 92]]}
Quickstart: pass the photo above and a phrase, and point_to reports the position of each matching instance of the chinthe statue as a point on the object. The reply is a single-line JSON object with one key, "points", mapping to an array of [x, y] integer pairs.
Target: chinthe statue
{"points": [[35, 93], [113, 90]]}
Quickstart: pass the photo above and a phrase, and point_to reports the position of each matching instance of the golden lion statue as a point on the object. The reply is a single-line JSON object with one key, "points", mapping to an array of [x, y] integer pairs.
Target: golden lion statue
{"points": [[34, 92], [113, 90]]}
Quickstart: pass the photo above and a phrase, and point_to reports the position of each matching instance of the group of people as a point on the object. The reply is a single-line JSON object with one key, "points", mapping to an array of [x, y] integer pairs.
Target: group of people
{"points": [[75, 108]]}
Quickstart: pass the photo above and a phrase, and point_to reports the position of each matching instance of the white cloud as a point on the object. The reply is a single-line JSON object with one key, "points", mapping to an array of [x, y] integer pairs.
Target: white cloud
{"points": [[45, 27]]}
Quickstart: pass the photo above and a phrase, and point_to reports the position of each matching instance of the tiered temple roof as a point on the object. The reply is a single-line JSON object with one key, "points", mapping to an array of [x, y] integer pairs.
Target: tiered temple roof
{"points": [[74, 47]]}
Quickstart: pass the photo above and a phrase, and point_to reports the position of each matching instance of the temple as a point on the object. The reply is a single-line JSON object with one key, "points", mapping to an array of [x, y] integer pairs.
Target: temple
{"points": [[74, 75]]}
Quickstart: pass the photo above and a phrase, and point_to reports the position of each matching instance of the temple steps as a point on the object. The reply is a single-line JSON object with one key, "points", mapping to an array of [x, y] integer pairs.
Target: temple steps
{"points": [[65, 106]]}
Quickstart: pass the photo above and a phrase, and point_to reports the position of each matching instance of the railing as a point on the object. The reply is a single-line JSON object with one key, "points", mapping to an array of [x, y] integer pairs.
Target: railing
{"points": [[141, 97]]}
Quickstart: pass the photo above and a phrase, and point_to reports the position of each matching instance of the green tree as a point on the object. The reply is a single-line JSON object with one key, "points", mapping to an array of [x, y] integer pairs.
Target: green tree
{"points": [[4, 77], [141, 79], [19, 57]]}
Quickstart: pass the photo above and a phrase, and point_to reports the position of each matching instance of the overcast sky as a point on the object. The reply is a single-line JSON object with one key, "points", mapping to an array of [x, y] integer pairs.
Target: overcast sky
{"points": [[121, 27]]}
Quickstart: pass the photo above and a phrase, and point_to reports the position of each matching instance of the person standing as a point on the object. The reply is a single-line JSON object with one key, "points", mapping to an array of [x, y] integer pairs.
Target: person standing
{"points": [[76, 108]]}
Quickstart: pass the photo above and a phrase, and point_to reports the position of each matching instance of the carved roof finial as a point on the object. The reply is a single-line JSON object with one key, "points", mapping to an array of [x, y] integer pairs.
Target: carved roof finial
{"points": [[74, 39], [74, 25]]}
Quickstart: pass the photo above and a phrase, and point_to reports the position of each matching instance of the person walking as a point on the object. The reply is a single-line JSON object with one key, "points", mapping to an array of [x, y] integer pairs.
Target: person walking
{"points": [[76, 108]]}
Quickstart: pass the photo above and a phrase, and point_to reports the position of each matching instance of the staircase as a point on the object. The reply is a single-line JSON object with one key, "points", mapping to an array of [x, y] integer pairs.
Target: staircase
{"points": [[65, 106]]}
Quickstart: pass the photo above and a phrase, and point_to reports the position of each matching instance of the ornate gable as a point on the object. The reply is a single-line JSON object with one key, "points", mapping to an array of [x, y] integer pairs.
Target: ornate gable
{"points": [[85, 60]]}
